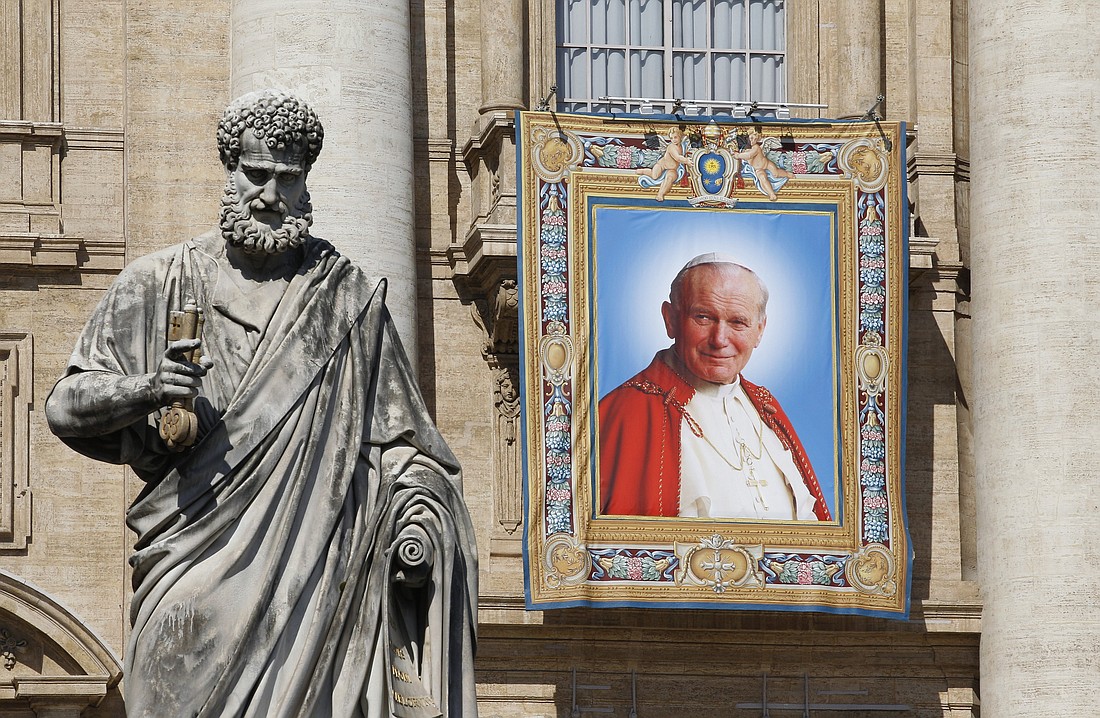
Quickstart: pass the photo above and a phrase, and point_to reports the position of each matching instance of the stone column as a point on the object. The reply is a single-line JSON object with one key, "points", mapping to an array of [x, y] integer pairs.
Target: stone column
{"points": [[1035, 254], [851, 56], [351, 61], [502, 41]]}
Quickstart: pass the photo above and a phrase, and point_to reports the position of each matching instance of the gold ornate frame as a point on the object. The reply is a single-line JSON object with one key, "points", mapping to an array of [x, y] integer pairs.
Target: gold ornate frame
{"points": [[859, 562]]}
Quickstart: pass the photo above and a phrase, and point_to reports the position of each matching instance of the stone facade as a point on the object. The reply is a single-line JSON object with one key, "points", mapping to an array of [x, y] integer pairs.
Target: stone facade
{"points": [[107, 152]]}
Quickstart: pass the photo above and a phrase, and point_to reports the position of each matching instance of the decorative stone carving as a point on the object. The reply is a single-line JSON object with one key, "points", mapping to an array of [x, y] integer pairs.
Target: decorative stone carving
{"points": [[487, 253], [499, 319], [51, 659], [504, 329], [16, 362], [506, 454], [9, 645], [33, 143]]}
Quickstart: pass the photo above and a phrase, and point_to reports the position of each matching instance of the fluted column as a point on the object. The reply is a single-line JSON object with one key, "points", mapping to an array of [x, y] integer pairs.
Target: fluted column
{"points": [[351, 61], [1035, 253]]}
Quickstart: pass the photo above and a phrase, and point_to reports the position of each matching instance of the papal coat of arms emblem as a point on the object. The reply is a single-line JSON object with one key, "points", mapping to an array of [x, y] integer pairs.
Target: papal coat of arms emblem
{"points": [[713, 170], [715, 162]]}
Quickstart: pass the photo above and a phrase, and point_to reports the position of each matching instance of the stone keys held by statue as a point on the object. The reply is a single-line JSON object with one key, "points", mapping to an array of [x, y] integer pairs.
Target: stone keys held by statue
{"points": [[180, 427]]}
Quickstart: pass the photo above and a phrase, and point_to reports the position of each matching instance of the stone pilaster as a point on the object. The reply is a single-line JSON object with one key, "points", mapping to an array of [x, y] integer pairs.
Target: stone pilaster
{"points": [[351, 61], [850, 55], [1035, 259]]}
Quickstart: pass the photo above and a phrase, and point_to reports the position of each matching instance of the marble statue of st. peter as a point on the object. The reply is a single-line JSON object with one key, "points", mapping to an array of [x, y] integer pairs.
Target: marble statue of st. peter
{"points": [[308, 553]]}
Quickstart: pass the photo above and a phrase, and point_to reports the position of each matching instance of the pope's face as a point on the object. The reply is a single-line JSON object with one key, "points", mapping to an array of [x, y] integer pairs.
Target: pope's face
{"points": [[717, 321], [275, 178]]}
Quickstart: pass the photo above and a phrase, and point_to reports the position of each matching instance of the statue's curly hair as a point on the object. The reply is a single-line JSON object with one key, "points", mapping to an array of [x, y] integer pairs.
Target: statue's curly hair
{"points": [[279, 119]]}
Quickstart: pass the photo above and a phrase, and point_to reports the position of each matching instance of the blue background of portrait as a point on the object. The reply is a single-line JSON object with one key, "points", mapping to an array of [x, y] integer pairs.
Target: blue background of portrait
{"points": [[638, 248]]}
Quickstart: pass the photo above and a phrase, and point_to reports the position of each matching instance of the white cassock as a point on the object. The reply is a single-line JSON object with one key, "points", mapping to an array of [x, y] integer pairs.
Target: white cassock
{"points": [[738, 468]]}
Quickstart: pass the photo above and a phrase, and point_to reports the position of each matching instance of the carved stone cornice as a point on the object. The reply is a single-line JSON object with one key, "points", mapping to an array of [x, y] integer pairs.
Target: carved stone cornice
{"points": [[489, 130], [33, 249], [485, 258], [94, 138], [28, 130], [937, 163], [486, 254], [60, 251], [922, 250], [435, 149]]}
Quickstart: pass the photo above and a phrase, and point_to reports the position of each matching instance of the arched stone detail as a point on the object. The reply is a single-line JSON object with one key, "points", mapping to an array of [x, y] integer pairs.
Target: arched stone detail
{"points": [[49, 659]]}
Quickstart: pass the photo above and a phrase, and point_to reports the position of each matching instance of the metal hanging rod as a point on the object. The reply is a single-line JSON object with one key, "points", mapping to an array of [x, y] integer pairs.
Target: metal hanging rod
{"points": [[648, 106]]}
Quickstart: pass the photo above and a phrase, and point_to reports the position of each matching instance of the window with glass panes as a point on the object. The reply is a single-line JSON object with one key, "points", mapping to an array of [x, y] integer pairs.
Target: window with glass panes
{"points": [[696, 50]]}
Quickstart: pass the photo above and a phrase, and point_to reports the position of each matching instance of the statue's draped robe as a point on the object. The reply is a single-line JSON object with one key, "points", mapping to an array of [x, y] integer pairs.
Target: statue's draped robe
{"points": [[311, 555]]}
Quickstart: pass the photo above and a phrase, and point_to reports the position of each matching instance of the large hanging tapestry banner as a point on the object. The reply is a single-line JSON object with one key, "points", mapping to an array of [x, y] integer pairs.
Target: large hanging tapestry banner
{"points": [[713, 363]]}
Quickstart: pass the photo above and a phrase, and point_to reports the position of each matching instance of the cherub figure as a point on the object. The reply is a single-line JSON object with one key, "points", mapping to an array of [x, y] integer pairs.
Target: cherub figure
{"points": [[669, 168], [768, 176]]}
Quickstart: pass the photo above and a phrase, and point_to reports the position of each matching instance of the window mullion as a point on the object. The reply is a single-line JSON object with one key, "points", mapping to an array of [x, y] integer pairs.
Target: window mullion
{"points": [[589, 56], [700, 49], [746, 78], [628, 60], [708, 73], [668, 12]]}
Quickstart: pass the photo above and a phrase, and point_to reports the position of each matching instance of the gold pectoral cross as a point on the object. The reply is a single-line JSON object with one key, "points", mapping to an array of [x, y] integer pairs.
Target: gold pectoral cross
{"points": [[747, 460]]}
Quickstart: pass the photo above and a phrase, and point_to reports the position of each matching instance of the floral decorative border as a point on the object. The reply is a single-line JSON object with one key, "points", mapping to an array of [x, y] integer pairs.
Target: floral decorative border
{"points": [[861, 563]]}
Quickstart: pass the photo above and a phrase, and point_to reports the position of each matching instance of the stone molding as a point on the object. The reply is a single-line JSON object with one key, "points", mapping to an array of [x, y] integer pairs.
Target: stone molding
{"points": [[487, 253], [16, 400], [26, 129], [60, 665], [30, 156], [436, 149], [94, 138], [32, 232], [37, 249], [946, 164], [922, 252], [498, 317]]}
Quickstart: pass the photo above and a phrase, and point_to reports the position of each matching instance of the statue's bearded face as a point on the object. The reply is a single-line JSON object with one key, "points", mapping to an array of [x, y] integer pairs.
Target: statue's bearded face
{"points": [[266, 206]]}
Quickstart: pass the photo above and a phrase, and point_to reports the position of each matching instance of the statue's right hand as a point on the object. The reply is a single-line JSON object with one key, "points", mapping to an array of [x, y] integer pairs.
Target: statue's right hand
{"points": [[177, 378]]}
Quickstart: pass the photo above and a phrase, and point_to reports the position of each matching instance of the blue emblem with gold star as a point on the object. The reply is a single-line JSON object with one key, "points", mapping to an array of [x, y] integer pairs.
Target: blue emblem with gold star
{"points": [[712, 172]]}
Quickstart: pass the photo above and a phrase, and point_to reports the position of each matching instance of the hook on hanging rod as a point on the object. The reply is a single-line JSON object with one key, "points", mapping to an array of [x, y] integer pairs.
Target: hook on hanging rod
{"points": [[544, 103], [872, 113]]}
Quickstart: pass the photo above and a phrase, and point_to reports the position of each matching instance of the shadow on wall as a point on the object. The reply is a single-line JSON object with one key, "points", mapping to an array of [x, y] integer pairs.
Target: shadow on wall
{"points": [[931, 447]]}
